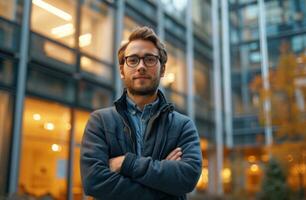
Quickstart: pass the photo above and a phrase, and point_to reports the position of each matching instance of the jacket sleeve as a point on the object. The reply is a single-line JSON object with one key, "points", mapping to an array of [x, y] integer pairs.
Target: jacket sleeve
{"points": [[172, 177], [98, 180]]}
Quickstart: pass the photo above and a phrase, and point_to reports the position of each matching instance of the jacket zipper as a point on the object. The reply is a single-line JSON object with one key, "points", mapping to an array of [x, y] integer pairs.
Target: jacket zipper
{"points": [[130, 132]]}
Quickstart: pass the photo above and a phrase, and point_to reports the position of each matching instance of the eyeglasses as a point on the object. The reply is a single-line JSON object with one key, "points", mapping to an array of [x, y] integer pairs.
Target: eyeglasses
{"points": [[149, 60]]}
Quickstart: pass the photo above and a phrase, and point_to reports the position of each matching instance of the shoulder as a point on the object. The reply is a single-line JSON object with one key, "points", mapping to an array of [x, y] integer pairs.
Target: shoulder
{"points": [[180, 118], [104, 111]]}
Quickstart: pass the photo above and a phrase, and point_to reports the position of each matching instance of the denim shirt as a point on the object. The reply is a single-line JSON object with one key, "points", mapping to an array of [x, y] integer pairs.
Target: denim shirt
{"points": [[140, 119]]}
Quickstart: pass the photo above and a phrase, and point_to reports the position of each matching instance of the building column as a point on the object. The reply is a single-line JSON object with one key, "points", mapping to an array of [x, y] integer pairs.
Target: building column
{"points": [[118, 39], [265, 71], [227, 75], [215, 182], [20, 95], [189, 61]]}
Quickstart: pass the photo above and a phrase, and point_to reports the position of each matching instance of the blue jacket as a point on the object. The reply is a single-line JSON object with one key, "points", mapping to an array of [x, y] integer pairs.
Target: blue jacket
{"points": [[148, 177]]}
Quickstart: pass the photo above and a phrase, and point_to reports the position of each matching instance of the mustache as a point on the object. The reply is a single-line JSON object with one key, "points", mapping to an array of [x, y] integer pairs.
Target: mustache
{"points": [[141, 76]]}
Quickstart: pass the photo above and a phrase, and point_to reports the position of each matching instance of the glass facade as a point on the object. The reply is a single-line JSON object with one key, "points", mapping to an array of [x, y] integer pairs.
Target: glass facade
{"points": [[263, 166], [71, 69], [6, 108]]}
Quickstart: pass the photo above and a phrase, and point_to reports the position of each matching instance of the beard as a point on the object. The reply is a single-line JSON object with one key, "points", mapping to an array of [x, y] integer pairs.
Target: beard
{"points": [[143, 90]]}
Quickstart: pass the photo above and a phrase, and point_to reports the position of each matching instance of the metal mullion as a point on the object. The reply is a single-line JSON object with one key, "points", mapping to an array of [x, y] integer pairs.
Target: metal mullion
{"points": [[19, 101]]}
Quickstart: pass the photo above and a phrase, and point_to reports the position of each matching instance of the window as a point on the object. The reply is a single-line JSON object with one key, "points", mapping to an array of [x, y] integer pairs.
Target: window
{"points": [[175, 76], [5, 137], [55, 19], [48, 84], [93, 97], [97, 30], [176, 7], [129, 26], [6, 71], [100, 72], [10, 9], [201, 88], [80, 123], [44, 152]]}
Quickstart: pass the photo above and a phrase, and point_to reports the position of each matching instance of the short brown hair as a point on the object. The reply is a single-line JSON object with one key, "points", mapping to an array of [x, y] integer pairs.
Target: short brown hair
{"points": [[144, 33]]}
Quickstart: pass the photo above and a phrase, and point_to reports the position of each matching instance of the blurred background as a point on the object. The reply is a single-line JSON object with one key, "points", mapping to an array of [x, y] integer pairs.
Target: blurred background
{"points": [[236, 67]]}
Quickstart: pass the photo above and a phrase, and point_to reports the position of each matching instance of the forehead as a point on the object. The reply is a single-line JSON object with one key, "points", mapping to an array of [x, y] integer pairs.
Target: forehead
{"points": [[141, 47]]}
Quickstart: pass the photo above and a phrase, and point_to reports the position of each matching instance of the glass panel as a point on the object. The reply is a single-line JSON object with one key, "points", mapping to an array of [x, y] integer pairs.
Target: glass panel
{"points": [[93, 97], [52, 54], [257, 169], [44, 83], [129, 26], [10, 9], [80, 123], [9, 36], [175, 76], [6, 104], [60, 15], [176, 8], [7, 71], [201, 89], [99, 71], [201, 15], [44, 153], [97, 30]]}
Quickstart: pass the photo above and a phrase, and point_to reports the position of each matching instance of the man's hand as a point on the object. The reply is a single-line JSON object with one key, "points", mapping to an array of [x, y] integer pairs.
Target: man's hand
{"points": [[116, 163], [175, 154]]}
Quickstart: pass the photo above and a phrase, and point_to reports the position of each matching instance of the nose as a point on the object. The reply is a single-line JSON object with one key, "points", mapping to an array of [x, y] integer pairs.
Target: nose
{"points": [[141, 67]]}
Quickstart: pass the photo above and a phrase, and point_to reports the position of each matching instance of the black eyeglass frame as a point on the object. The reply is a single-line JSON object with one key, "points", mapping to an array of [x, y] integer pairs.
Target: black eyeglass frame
{"points": [[143, 59]]}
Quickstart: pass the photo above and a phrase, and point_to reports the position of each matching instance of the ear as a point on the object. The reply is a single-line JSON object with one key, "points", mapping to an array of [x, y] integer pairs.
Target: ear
{"points": [[162, 71], [121, 72]]}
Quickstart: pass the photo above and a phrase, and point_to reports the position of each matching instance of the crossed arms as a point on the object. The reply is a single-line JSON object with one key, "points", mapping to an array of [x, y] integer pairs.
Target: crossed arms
{"points": [[134, 177]]}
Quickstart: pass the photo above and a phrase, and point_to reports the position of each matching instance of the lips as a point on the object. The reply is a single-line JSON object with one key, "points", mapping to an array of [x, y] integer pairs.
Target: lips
{"points": [[141, 77]]}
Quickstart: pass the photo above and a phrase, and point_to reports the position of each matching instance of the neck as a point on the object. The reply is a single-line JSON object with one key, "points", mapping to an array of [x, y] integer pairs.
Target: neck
{"points": [[142, 100]]}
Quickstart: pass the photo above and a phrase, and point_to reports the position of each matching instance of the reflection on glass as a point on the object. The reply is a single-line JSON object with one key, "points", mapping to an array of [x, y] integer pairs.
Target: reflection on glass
{"points": [[92, 96], [5, 135], [101, 71], [129, 26], [6, 71], [60, 18], [175, 7], [175, 76], [201, 15], [45, 139], [58, 52], [46, 84], [8, 9], [80, 123], [97, 30]]}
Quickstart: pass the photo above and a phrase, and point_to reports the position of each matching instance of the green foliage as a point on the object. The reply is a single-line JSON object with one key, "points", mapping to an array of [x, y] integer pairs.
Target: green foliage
{"points": [[274, 186]]}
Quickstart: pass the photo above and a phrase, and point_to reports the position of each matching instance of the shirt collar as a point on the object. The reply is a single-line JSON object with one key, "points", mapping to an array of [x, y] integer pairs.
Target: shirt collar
{"points": [[133, 108]]}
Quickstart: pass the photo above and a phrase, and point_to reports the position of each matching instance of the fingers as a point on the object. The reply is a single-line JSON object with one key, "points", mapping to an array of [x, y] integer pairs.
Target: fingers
{"points": [[175, 154]]}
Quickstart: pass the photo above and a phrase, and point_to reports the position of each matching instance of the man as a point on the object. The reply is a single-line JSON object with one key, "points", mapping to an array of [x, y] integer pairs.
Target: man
{"points": [[140, 148]]}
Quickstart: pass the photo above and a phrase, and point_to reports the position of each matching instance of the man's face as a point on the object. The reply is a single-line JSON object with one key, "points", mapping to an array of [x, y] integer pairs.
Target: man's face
{"points": [[141, 79]]}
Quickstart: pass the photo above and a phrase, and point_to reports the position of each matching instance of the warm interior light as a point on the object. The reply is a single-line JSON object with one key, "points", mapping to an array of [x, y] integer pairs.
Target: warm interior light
{"points": [[56, 147], [49, 126], [168, 79], [63, 30], [251, 159], [36, 117], [203, 180], [52, 9], [85, 39], [226, 175], [68, 126], [254, 168]]}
